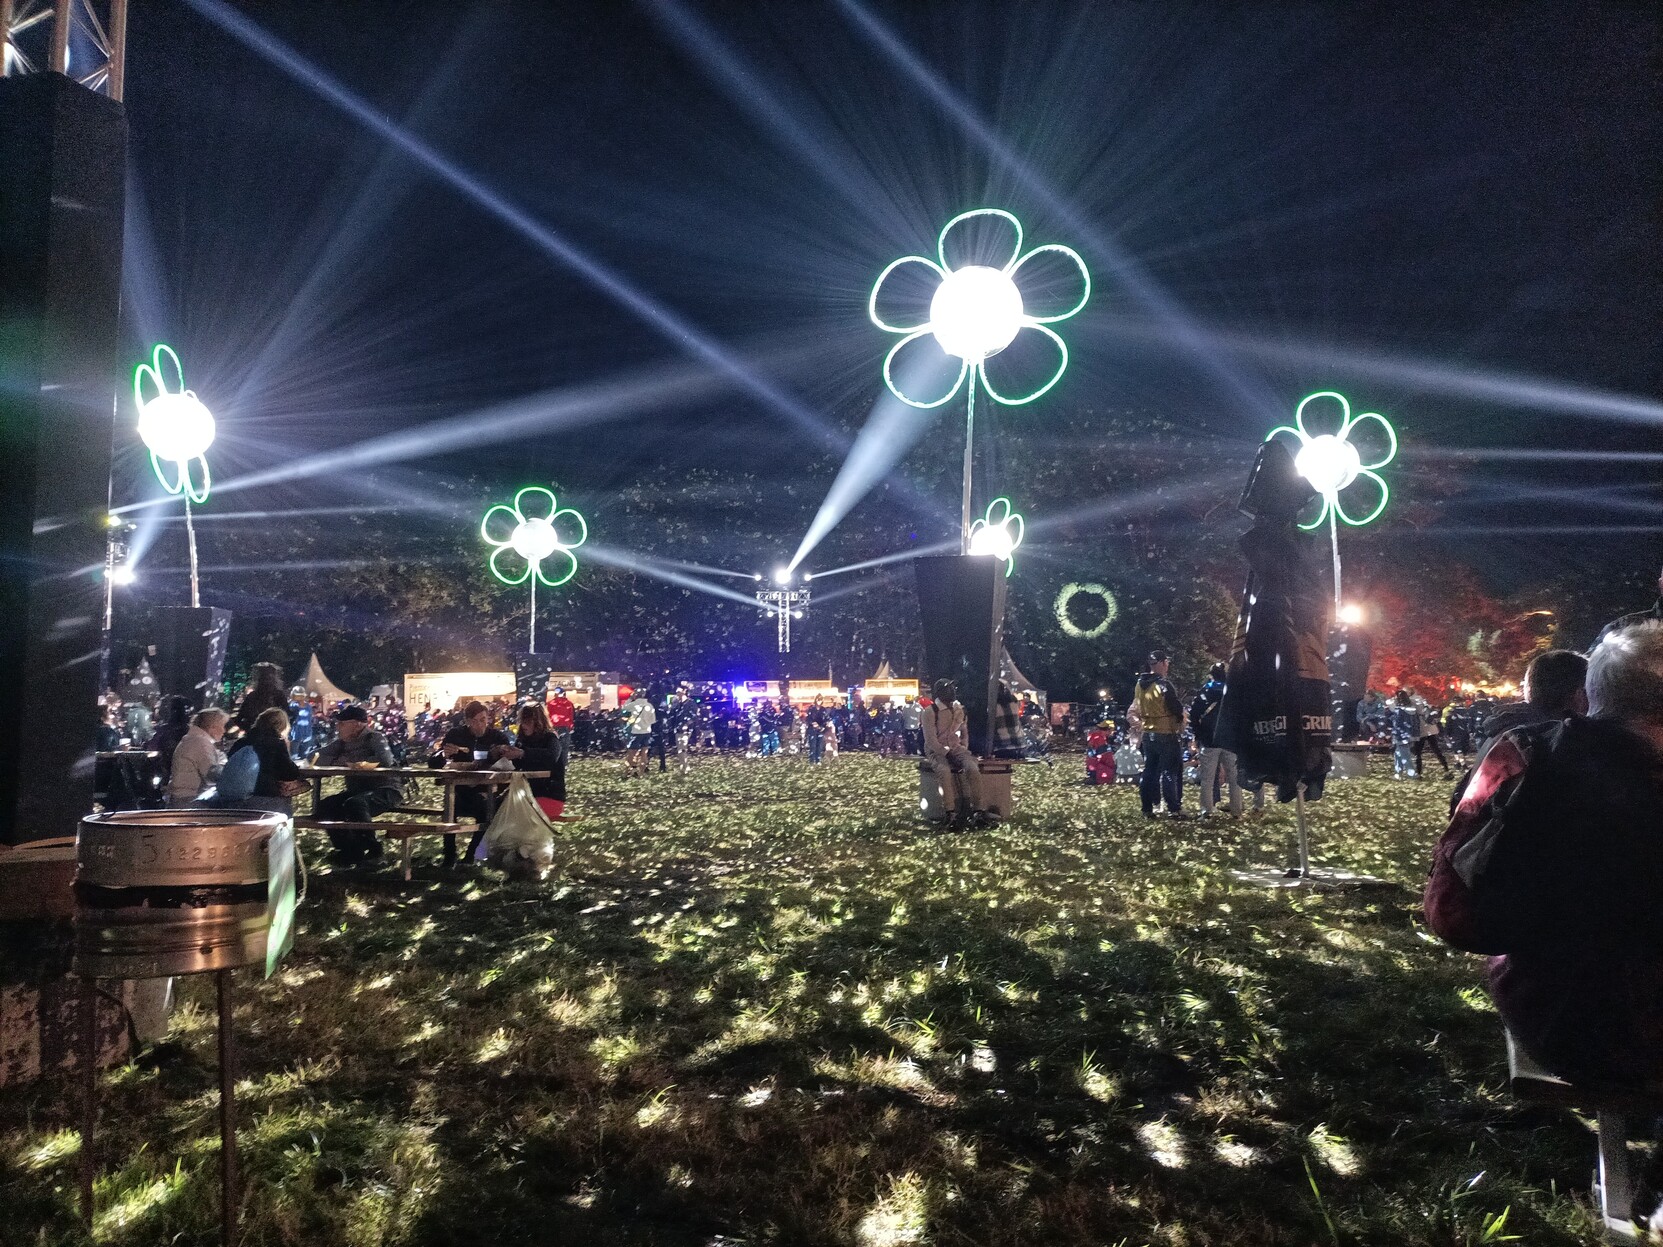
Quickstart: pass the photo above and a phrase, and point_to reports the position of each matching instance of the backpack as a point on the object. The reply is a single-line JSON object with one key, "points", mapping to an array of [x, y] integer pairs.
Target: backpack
{"points": [[239, 776]]}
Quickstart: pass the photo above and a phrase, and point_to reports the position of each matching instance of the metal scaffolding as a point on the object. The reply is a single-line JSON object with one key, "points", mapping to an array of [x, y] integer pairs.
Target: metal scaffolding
{"points": [[83, 39]]}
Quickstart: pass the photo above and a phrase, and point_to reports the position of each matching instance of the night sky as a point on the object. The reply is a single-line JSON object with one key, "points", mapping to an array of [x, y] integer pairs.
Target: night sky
{"points": [[1272, 199]]}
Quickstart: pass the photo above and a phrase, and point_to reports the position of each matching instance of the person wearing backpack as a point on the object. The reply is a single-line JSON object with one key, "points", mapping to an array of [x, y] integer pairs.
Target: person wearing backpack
{"points": [[1155, 701], [1552, 865]]}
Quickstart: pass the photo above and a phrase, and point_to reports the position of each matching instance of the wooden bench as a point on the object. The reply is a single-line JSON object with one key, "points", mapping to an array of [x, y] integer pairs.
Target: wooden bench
{"points": [[1617, 1111], [403, 832]]}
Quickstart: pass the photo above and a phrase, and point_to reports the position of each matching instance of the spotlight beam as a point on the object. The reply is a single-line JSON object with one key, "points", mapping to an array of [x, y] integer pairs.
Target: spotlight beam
{"points": [[900, 556], [627, 561], [679, 332], [1175, 322]]}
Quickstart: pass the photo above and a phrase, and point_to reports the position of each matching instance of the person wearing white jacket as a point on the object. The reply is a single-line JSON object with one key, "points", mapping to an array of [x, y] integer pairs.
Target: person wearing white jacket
{"points": [[197, 759]]}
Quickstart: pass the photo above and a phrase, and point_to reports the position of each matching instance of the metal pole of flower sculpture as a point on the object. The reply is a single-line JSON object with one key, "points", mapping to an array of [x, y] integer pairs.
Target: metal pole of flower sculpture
{"points": [[536, 539], [177, 429], [975, 311], [998, 533], [1332, 463]]}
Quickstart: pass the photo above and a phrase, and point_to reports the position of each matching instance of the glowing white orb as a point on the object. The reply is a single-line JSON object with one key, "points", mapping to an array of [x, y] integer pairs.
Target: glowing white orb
{"points": [[1330, 463], [1351, 614], [994, 539], [976, 312], [782, 575], [176, 427], [534, 540], [123, 575]]}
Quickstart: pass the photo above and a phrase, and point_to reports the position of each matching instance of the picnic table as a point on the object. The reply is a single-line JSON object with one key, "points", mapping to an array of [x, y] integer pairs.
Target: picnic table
{"points": [[449, 779]]}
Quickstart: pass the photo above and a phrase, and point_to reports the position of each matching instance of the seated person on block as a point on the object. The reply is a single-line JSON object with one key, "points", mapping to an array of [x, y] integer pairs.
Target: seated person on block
{"points": [[357, 744], [197, 759], [475, 744], [947, 750], [1554, 860]]}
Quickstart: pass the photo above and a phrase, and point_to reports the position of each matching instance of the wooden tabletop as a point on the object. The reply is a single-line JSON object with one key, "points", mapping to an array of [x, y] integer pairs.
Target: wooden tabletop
{"points": [[445, 775]]}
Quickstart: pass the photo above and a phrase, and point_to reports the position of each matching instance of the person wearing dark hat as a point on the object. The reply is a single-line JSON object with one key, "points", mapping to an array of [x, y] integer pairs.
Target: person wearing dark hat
{"points": [[358, 744], [1155, 702]]}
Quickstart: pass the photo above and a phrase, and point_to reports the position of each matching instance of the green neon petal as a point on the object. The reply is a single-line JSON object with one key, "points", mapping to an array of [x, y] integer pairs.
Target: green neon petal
{"points": [[198, 496], [498, 572], [877, 287], [485, 525], [1391, 437], [176, 485], [519, 508], [1085, 294], [889, 380], [941, 243], [569, 569], [1322, 512], [1345, 412], [1385, 495], [1062, 366], [560, 529]]}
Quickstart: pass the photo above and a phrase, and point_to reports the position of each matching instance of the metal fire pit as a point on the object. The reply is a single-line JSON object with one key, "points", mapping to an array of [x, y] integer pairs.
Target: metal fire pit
{"points": [[166, 892]]}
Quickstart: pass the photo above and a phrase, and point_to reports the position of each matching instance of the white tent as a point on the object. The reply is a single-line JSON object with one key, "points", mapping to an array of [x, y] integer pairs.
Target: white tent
{"points": [[1018, 683], [317, 682]]}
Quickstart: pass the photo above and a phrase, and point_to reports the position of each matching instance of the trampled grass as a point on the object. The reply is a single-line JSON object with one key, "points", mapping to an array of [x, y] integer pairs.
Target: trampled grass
{"points": [[757, 1005]]}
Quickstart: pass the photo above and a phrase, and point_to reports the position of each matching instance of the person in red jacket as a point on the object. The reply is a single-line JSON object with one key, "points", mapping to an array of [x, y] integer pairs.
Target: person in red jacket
{"points": [[1553, 863], [562, 718]]}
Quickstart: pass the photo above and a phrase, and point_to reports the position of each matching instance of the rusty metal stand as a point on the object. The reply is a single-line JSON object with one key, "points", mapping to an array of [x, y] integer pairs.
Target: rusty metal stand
{"points": [[227, 1114], [89, 1095], [228, 1185]]}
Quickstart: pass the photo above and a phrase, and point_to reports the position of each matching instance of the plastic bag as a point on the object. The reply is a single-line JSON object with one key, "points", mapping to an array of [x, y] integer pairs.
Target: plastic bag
{"points": [[520, 839]]}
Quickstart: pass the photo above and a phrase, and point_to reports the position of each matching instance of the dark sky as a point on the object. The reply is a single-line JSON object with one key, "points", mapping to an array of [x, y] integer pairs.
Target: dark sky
{"points": [[1471, 189]]}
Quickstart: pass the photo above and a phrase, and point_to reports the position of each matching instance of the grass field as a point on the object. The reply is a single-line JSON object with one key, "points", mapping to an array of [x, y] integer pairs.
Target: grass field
{"points": [[758, 1005]]}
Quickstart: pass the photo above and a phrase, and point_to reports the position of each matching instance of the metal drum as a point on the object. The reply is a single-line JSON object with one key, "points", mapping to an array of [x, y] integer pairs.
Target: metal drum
{"points": [[165, 892]]}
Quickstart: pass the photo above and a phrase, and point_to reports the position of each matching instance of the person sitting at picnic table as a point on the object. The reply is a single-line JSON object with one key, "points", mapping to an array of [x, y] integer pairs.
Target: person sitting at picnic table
{"points": [[538, 747], [1553, 861], [279, 778], [175, 724], [196, 760], [474, 744], [357, 744]]}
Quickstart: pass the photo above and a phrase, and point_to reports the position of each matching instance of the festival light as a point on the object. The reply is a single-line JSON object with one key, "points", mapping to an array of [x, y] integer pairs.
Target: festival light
{"points": [[123, 575], [975, 311], [177, 428], [1351, 614], [536, 539], [174, 425], [1332, 464], [1065, 599], [998, 533]]}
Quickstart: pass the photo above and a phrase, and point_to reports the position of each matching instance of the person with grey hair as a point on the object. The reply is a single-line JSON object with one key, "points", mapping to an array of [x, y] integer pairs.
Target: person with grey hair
{"points": [[197, 759], [1554, 860]]}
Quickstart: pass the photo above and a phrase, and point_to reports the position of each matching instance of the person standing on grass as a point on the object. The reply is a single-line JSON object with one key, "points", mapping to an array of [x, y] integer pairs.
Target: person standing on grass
{"points": [[814, 730], [358, 743], [1215, 761], [1430, 732], [265, 693], [639, 718], [1156, 705]]}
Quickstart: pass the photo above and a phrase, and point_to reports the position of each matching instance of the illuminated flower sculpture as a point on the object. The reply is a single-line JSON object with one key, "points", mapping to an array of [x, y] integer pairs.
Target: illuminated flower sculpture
{"points": [[980, 295], [1332, 464], [998, 533], [174, 425], [535, 539]]}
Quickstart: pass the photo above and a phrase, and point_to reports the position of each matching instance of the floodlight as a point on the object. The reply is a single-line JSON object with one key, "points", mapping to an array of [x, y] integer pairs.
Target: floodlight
{"points": [[782, 575], [998, 533], [975, 311], [175, 426], [1351, 614], [123, 575]]}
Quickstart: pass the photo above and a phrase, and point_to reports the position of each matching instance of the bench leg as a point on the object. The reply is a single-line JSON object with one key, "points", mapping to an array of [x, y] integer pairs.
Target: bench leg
{"points": [[1616, 1178], [404, 857]]}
